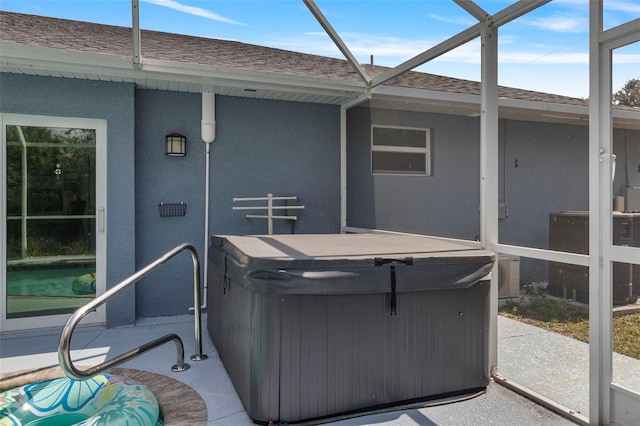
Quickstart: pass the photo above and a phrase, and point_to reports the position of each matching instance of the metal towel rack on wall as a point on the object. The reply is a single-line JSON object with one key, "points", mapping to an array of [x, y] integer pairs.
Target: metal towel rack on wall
{"points": [[269, 208], [64, 345]]}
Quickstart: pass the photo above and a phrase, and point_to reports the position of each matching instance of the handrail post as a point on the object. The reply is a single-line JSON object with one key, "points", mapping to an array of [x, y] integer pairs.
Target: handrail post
{"points": [[64, 345], [199, 356]]}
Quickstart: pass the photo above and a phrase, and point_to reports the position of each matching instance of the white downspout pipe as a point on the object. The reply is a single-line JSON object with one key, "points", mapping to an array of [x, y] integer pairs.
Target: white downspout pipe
{"points": [[208, 134]]}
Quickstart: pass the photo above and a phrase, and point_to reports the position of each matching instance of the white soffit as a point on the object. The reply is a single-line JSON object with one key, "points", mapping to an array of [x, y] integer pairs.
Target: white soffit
{"points": [[439, 102], [194, 78], [176, 76]]}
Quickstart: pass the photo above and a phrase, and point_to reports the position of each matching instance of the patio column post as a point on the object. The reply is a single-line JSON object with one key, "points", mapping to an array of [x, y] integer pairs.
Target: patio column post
{"points": [[489, 169], [600, 220]]}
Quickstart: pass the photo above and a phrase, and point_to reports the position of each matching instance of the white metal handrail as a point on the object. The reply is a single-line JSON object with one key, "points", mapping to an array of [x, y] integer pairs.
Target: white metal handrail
{"points": [[64, 345]]}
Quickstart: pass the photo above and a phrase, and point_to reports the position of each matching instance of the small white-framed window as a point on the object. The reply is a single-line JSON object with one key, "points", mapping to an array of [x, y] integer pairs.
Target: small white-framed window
{"points": [[400, 150]]}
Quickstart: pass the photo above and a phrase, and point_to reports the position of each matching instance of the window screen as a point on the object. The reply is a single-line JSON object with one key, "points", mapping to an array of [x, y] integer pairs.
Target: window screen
{"points": [[397, 150]]}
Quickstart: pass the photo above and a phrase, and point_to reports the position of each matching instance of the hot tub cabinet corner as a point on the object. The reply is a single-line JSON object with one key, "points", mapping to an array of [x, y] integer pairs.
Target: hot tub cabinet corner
{"points": [[306, 333]]}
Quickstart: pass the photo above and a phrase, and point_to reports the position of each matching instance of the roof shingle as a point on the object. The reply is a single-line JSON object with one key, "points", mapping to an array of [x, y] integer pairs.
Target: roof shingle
{"points": [[33, 30]]}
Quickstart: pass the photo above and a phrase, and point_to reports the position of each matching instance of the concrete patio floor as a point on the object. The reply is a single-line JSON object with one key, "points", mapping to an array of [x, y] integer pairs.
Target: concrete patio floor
{"points": [[521, 349], [554, 365]]}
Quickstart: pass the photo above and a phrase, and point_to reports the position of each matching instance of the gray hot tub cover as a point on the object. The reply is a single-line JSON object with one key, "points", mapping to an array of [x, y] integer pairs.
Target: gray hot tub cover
{"points": [[347, 263]]}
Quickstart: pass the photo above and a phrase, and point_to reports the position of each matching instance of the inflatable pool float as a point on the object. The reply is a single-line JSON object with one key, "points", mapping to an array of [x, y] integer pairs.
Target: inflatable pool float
{"points": [[84, 284], [101, 400]]}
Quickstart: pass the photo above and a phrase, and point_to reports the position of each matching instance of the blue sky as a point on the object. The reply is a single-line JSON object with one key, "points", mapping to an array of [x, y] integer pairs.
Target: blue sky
{"points": [[547, 50]]}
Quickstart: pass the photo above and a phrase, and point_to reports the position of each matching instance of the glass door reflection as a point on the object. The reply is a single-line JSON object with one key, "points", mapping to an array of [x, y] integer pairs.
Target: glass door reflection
{"points": [[50, 223]]}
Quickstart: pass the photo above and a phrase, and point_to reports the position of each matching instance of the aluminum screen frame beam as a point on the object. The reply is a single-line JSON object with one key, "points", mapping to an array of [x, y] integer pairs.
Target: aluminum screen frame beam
{"points": [[437, 50], [608, 403], [135, 31], [315, 11], [473, 9], [621, 35], [505, 16], [489, 167], [600, 271]]}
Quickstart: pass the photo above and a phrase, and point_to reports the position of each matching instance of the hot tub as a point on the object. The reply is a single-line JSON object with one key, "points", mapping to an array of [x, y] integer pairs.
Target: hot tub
{"points": [[313, 326]]}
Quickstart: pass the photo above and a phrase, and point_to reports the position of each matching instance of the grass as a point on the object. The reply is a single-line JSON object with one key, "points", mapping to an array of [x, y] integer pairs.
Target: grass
{"points": [[569, 320]]}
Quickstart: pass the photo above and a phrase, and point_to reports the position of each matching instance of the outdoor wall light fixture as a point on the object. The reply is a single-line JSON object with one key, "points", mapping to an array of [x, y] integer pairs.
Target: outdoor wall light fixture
{"points": [[176, 145]]}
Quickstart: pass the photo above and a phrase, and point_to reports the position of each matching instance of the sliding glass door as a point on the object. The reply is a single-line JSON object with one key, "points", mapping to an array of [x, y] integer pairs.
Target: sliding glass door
{"points": [[53, 218]]}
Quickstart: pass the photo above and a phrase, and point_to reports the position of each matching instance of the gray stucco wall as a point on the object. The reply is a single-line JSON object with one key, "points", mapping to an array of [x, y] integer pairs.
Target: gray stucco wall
{"points": [[546, 169], [444, 204], [292, 148], [288, 149], [543, 169], [284, 148], [163, 179], [113, 102]]}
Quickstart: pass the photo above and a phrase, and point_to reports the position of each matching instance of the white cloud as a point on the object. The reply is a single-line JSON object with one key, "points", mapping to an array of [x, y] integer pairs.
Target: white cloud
{"points": [[560, 23], [388, 51], [622, 6], [582, 4], [367, 44], [521, 57], [392, 51], [192, 10], [507, 39], [608, 5], [458, 20], [616, 12], [627, 58]]}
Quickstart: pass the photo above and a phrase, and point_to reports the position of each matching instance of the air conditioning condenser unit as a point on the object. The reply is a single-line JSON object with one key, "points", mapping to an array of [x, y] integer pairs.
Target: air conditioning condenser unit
{"points": [[508, 276]]}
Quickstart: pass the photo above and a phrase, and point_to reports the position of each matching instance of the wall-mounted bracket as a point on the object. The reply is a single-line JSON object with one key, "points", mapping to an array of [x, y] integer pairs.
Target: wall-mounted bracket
{"points": [[269, 208]]}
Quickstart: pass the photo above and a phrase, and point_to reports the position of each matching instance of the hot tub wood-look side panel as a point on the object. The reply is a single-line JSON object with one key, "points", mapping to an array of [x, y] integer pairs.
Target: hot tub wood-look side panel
{"points": [[298, 357], [245, 329], [346, 352]]}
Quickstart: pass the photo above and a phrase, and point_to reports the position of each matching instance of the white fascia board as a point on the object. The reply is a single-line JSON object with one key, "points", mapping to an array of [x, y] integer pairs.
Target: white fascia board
{"points": [[554, 110], [425, 95], [271, 79], [626, 115], [17, 56], [544, 106], [22, 56], [580, 110], [421, 95]]}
